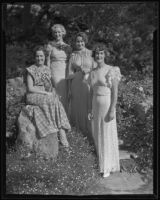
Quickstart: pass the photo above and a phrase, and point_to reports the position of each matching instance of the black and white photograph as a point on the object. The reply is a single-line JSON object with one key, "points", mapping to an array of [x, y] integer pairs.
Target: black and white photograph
{"points": [[79, 94]]}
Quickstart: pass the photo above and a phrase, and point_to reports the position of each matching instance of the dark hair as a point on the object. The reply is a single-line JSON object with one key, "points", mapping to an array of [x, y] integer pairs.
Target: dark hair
{"points": [[39, 48], [83, 35], [100, 47]]}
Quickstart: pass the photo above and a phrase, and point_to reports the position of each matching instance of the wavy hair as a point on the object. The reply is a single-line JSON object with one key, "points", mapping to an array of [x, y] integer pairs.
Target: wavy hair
{"points": [[55, 26]]}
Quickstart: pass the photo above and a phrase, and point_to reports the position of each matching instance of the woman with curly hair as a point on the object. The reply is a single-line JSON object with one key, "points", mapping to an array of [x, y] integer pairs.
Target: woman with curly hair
{"points": [[57, 60], [80, 64], [49, 115], [103, 81]]}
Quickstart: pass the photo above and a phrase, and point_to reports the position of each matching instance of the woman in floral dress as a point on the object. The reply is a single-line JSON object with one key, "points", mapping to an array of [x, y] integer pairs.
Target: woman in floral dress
{"points": [[80, 64], [104, 81], [49, 115], [57, 59]]}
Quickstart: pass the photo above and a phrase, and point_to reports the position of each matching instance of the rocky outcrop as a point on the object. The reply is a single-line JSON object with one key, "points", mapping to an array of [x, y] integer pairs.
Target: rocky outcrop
{"points": [[27, 136], [47, 146]]}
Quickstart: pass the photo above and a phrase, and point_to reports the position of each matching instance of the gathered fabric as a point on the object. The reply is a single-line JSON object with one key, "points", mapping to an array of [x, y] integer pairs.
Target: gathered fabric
{"points": [[48, 113], [104, 132]]}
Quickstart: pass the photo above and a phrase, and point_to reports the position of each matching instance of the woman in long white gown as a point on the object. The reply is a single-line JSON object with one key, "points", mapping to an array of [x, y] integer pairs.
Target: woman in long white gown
{"points": [[57, 60], [104, 85]]}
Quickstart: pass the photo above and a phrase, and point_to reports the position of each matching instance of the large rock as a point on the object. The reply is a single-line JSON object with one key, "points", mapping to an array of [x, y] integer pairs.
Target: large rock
{"points": [[47, 146], [15, 100]]}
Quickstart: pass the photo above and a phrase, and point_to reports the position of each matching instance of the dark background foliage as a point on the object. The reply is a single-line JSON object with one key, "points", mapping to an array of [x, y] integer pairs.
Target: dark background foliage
{"points": [[127, 29]]}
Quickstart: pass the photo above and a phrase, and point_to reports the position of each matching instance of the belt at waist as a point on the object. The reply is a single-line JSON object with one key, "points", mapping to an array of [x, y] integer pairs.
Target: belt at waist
{"points": [[101, 90], [57, 60]]}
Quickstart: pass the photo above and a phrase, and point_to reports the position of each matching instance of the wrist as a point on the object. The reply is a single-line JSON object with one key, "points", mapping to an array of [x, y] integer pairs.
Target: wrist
{"points": [[112, 109]]}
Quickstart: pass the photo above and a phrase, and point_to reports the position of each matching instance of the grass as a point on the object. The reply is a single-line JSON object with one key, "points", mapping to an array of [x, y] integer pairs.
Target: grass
{"points": [[69, 174]]}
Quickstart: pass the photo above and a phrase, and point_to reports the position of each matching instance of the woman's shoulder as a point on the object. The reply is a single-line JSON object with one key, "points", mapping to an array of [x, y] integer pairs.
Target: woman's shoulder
{"points": [[115, 72], [31, 68], [46, 68], [89, 52], [115, 69], [51, 43]]}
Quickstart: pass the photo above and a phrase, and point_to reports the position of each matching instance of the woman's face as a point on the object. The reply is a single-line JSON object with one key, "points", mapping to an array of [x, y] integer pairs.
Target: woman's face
{"points": [[99, 56], [40, 57], [57, 33], [80, 44]]}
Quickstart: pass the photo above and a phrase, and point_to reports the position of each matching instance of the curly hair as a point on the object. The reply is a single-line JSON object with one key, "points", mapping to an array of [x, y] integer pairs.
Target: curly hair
{"points": [[83, 35], [39, 48], [100, 47], [55, 26]]}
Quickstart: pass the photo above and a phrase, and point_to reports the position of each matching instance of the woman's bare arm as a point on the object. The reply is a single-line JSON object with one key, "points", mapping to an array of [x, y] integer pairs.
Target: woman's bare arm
{"points": [[32, 88], [114, 94]]}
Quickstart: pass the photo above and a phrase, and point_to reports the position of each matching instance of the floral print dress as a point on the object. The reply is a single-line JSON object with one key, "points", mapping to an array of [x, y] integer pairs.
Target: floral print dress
{"points": [[48, 114], [80, 64]]}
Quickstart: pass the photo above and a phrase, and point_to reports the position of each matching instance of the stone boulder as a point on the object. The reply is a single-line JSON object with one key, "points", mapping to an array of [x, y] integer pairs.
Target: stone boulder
{"points": [[15, 100], [47, 146]]}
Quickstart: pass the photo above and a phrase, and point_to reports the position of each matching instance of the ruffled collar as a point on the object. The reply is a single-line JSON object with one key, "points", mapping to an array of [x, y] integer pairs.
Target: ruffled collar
{"points": [[81, 52], [59, 45]]}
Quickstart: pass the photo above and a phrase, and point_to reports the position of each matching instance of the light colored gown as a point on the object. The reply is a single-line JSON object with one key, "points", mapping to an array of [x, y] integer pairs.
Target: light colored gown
{"points": [[79, 61], [104, 133], [58, 65]]}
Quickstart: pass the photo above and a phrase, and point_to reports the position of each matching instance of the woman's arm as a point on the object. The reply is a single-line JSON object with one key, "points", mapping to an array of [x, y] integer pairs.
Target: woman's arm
{"points": [[48, 60], [114, 94], [32, 88]]}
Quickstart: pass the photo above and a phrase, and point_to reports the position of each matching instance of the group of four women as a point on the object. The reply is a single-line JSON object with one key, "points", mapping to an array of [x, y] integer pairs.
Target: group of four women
{"points": [[74, 87]]}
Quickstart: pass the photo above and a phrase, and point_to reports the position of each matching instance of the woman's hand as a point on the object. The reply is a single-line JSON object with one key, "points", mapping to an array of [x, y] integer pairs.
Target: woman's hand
{"points": [[49, 93], [110, 116], [90, 116]]}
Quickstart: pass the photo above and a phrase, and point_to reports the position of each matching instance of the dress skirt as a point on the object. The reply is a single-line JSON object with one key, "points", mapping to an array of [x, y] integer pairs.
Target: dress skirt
{"points": [[48, 114], [58, 73], [105, 133], [79, 103]]}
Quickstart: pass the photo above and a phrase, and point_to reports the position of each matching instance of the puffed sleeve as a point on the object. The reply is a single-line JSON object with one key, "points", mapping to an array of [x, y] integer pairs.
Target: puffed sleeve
{"points": [[31, 71], [113, 74]]}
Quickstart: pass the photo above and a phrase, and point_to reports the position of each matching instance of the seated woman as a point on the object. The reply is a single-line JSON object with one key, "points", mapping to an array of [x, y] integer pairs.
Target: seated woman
{"points": [[51, 116]]}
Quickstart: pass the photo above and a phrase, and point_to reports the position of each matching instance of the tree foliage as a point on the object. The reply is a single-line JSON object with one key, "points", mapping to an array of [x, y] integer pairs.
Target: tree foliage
{"points": [[127, 29]]}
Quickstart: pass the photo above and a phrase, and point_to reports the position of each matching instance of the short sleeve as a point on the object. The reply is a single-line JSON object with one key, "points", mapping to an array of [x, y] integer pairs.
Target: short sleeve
{"points": [[31, 71], [115, 73]]}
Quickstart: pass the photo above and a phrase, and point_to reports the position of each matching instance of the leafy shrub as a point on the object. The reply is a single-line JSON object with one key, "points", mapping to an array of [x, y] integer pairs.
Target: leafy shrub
{"points": [[17, 58], [137, 134]]}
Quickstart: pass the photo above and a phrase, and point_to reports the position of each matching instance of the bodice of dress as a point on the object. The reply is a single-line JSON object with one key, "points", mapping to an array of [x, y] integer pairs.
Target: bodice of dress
{"points": [[59, 52], [100, 79], [58, 55], [41, 76], [80, 61]]}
